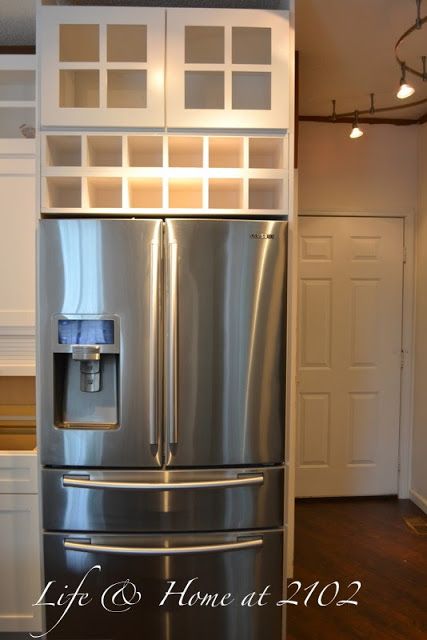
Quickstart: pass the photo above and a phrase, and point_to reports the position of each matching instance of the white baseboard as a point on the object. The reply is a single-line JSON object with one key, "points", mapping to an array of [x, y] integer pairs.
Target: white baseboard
{"points": [[419, 500]]}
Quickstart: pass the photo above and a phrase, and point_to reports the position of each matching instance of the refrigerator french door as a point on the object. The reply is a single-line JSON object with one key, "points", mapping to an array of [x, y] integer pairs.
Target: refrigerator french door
{"points": [[161, 386], [198, 313]]}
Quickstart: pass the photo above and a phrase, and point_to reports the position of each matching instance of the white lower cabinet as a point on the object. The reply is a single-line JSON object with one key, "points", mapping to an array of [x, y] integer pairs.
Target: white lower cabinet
{"points": [[20, 565]]}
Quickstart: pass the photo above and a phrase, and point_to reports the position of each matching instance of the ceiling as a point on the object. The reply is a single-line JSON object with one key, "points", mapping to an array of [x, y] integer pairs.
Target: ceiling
{"points": [[347, 52], [346, 48], [17, 22]]}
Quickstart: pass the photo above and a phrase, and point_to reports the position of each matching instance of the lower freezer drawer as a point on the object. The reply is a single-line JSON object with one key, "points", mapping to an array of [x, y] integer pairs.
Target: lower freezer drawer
{"points": [[161, 570], [177, 500]]}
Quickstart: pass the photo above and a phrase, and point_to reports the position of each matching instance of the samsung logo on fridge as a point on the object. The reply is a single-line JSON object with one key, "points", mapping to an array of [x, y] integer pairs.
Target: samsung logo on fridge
{"points": [[262, 236]]}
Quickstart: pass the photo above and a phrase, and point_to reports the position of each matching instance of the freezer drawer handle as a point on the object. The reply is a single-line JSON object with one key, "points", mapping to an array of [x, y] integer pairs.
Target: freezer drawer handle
{"points": [[163, 551], [86, 483]]}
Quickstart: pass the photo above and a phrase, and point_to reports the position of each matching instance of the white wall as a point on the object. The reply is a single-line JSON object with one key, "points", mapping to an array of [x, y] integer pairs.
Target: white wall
{"points": [[375, 173], [419, 445]]}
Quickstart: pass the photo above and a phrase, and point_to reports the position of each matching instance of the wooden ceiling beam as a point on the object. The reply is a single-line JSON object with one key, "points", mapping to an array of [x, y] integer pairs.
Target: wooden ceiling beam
{"points": [[400, 122], [17, 49]]}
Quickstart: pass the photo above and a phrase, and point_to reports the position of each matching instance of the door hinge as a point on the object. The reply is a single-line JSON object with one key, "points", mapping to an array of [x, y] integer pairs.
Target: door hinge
{"points": [[402, 359], [405, 255]]}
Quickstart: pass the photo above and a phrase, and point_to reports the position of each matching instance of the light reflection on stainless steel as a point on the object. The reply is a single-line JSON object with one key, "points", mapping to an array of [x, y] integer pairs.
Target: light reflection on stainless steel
{"points": [[236, 506], [231, 318], [225, 335]]}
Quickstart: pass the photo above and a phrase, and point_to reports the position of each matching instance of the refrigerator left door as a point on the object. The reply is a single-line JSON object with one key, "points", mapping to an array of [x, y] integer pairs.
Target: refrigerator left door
{"points": [[99, 291]]}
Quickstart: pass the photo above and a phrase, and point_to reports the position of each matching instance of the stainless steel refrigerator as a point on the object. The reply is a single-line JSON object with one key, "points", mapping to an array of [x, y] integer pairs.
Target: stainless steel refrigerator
{"points": [[161, 388]]}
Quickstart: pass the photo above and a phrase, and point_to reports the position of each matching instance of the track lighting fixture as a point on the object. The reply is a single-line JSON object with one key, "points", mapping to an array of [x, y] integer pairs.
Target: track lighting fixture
{"points": [[356, 132], [418, 21], [405, 90]]}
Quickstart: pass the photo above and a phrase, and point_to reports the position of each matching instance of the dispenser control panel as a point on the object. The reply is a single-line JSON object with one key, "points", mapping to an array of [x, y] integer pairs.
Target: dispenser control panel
{"points": [[86, 364], [85, 331], [71, 330]]}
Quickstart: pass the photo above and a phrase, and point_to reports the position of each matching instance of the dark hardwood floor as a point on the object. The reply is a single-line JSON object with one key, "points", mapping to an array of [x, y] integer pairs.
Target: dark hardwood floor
{"points": [[364, 540]]}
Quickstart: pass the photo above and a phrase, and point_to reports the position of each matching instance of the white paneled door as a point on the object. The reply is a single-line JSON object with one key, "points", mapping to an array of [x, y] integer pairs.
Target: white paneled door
{"points": [[350, 333]]}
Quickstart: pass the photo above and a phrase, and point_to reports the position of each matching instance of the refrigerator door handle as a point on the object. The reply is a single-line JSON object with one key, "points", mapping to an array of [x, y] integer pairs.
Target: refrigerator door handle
{"points": [[172, 347], [84, 482], [154, 346], [75, 545]]}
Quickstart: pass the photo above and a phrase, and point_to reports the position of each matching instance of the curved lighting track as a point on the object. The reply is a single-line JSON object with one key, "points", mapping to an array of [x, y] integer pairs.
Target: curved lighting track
{"points": [[362, 112], [372, 110], [416, 27]]}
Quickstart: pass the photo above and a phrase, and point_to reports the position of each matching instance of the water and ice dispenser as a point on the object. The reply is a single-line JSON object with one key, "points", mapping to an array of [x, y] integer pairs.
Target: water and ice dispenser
{"points": [[86, 354]]}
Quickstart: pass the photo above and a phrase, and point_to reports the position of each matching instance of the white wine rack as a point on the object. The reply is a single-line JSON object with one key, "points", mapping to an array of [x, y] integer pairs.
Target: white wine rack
{"points": [[151, 174]]}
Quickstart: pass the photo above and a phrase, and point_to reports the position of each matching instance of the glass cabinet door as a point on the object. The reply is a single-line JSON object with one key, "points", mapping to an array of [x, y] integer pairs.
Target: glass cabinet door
{"points": [[102, 68], [227, 68]]}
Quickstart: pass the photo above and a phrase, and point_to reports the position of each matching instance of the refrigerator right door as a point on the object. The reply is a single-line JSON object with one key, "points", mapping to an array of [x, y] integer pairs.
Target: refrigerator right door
{"points": [[225, 340]]}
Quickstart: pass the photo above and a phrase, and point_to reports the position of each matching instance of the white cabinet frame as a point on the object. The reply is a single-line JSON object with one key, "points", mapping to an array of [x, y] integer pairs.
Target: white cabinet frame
{"points": [[18, 472], [52, 114], [260, 175], [177, 115], [20, 559], [18, 219]]}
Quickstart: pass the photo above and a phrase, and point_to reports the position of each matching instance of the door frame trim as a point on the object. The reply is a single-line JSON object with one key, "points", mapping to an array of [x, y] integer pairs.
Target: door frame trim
{"points": [[408, 334]]}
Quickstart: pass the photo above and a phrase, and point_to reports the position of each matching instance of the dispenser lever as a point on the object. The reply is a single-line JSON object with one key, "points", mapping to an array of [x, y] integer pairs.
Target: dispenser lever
{"points": [[90, 370]]}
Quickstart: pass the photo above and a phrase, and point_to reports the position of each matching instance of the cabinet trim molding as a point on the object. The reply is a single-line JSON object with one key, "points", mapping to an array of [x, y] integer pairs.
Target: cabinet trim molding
{"points": [[17, 322], [17, 351], [18, 472]]}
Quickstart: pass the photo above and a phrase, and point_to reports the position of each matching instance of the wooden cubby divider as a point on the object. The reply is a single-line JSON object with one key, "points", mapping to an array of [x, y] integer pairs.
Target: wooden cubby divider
{"points": [[151, 173]]}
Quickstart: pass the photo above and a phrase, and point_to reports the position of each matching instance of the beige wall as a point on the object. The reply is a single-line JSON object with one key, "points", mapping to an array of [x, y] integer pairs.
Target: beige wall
{"points": [[385, 171], [376, 173], [419, 445]]}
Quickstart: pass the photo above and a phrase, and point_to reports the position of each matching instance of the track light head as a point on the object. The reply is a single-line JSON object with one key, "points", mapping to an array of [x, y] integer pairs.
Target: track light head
{"points": [[356, 132], [405, 90]]}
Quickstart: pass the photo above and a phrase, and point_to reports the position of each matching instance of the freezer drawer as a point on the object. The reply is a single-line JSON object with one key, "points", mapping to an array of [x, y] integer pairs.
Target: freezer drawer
{"points": [[144, 501], [237, 563]]}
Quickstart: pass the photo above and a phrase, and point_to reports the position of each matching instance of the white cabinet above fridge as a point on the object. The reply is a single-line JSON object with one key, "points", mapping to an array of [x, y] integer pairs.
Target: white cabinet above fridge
{"points": [[227, 69], [156, 68], [102, 68]]}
